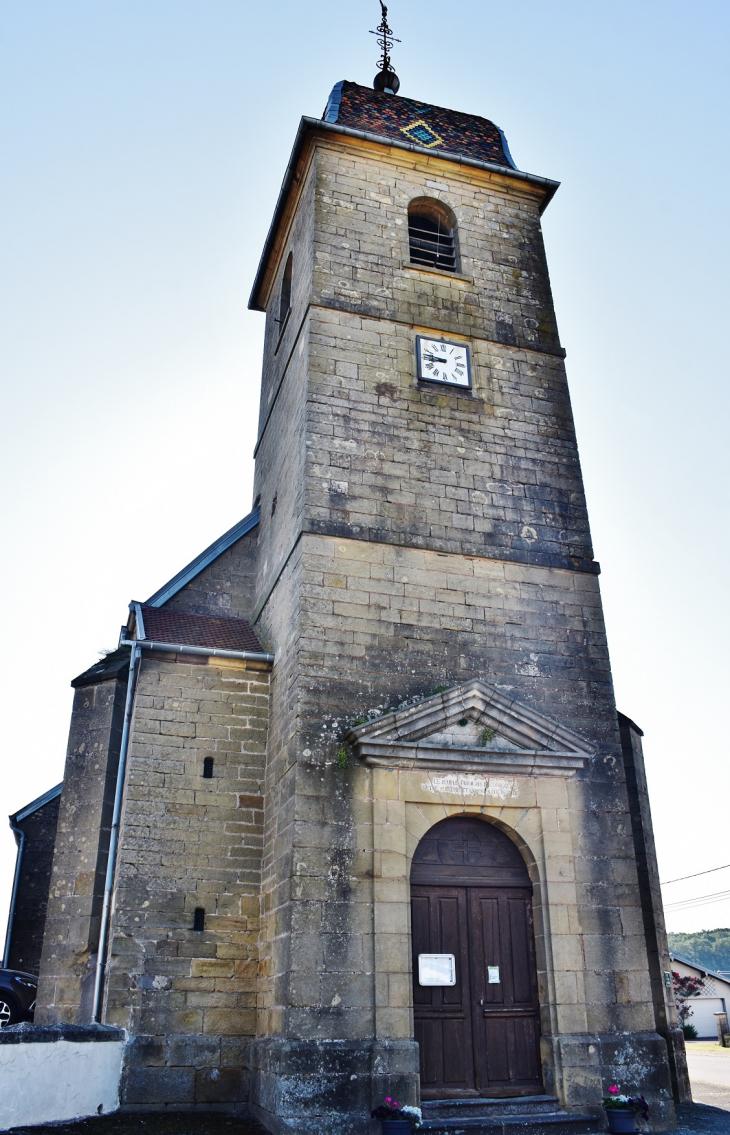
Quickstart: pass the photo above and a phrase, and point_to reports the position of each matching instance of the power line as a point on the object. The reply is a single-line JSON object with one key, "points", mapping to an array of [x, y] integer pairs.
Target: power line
{"points": [[683, 877], [698, 900]]}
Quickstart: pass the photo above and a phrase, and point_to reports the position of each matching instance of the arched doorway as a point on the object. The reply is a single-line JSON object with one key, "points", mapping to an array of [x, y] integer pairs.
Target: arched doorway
{"points": [[478, 1027]]}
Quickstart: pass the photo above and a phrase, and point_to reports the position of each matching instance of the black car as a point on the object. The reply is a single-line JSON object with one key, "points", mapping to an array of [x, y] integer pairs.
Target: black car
{"points": [[17, 996]]}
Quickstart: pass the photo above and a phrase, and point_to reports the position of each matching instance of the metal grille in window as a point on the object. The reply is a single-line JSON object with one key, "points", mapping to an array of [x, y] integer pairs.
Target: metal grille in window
{"points": [[432, 244]]}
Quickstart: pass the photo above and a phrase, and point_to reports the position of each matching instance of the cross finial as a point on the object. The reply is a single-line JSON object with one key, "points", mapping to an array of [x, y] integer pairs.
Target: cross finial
{"points": [[386, 79]]}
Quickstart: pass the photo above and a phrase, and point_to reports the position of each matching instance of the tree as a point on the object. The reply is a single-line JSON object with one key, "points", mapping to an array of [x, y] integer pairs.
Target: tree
{"points": [[684, 988]]}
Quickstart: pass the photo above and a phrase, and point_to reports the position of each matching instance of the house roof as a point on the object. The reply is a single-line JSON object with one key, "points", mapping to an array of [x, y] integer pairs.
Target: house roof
{"points": [[216, 549], [700, 969], [168, 626], [29, 809], [433, 127]]}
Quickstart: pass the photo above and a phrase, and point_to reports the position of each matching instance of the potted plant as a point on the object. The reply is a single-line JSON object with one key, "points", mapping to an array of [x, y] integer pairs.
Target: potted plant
{"points": [[396, 1118], [622, 1110]]}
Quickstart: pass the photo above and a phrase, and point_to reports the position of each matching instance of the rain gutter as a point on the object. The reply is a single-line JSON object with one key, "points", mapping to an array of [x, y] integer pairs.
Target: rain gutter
{"points": [[20, 837], [101, 962]]}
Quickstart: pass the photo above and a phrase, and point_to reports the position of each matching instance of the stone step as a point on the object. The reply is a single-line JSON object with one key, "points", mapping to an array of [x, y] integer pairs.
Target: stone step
{"points": [[540, 1123], [489, 1105]]}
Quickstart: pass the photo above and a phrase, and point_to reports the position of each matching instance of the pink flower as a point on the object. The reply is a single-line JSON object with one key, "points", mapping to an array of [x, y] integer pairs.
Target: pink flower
{"points": [[613, 1091]]}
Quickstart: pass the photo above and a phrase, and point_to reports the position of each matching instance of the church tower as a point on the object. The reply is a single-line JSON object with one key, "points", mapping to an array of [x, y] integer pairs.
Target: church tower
{"points": [[427, 582], [442, 822]]}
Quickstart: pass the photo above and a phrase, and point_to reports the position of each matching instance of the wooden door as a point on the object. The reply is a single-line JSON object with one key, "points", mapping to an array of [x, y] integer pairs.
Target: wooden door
{"points": [[476, 1038], [507, 1012], [443, 1014]]}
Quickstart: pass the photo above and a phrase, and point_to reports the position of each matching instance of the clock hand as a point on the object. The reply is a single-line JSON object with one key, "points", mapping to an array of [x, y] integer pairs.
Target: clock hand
{"points": [[435, 359]]}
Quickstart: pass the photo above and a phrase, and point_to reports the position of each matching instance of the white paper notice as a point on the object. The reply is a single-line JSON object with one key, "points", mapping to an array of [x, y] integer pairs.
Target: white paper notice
{"points": [[436, 969], [493, 975]]}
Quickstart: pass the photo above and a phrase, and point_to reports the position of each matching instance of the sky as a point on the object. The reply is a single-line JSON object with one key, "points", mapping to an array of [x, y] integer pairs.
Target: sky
{"points": [[143, 147]]}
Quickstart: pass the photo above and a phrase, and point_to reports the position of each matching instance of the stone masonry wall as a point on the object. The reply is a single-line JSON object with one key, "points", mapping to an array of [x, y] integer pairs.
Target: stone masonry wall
{"points": [[495, 471], [225, 587], [411, 620], [655, 931], [444, 537], [361, 253], [279, 339], [189, 996], [79, 861], [34, 883]]}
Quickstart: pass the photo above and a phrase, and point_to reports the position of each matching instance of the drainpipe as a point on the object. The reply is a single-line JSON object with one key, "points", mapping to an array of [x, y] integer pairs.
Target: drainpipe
{"points": [[114, 837], [20, 836]]}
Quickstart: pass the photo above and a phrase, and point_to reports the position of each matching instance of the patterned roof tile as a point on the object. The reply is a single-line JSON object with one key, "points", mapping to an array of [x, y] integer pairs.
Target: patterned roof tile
{"points": [[434, 127]]}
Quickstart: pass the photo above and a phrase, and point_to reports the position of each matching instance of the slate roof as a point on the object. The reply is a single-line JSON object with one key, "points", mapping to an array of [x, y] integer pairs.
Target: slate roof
{"points": [[112, 665], [164, 625], [433, 127]]}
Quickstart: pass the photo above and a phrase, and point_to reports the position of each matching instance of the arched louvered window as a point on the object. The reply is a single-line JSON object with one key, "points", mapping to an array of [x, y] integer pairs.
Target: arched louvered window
{"points": [[432, 235], [285, 297]]}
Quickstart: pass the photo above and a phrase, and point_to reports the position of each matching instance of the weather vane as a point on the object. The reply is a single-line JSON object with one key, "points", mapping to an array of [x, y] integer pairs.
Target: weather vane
{"points": [[386, 80]]}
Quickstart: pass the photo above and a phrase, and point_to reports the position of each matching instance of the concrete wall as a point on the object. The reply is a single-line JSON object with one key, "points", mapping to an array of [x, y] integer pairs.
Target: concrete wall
{"points": [[52, 1075]]}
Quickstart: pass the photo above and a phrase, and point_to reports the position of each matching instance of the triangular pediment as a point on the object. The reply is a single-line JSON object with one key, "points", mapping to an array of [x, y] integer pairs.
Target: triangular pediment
{"points": [[471, 726]]}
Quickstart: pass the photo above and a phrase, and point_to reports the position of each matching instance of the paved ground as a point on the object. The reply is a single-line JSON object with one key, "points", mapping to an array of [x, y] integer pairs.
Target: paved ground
{"points": [[709, 1071], [173, 1123], [694, 1119], [698, 1119]]}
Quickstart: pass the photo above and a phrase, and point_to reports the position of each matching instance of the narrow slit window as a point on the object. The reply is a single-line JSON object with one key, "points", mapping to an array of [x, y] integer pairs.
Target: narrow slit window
{"points": [[431, 236], [199, 918], [285, 297], [208, 768]]}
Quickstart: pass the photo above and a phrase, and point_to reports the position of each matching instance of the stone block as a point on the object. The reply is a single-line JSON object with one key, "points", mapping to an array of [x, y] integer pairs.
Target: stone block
{"points": [[221, 1085], [145, 1052], [158, 1086], [196, 1051]]}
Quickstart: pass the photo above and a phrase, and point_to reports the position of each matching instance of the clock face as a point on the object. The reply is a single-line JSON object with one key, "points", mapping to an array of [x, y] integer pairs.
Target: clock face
{"points": [[439, 361]]}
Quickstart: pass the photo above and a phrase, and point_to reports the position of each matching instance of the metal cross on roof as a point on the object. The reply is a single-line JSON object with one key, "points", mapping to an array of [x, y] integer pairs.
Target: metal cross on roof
{"points": [[386, 39]]}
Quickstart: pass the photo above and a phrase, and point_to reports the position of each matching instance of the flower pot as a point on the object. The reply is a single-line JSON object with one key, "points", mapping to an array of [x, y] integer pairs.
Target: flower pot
{"points": [[621, 1119], [398, 1126]]}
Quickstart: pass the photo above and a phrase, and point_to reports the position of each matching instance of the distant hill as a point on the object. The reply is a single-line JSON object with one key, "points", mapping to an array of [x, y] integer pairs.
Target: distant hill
{"points": [[708, 948]]}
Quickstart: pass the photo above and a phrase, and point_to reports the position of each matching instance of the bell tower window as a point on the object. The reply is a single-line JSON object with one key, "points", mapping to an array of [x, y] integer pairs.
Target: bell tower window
{"points": [[432, 235]]}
